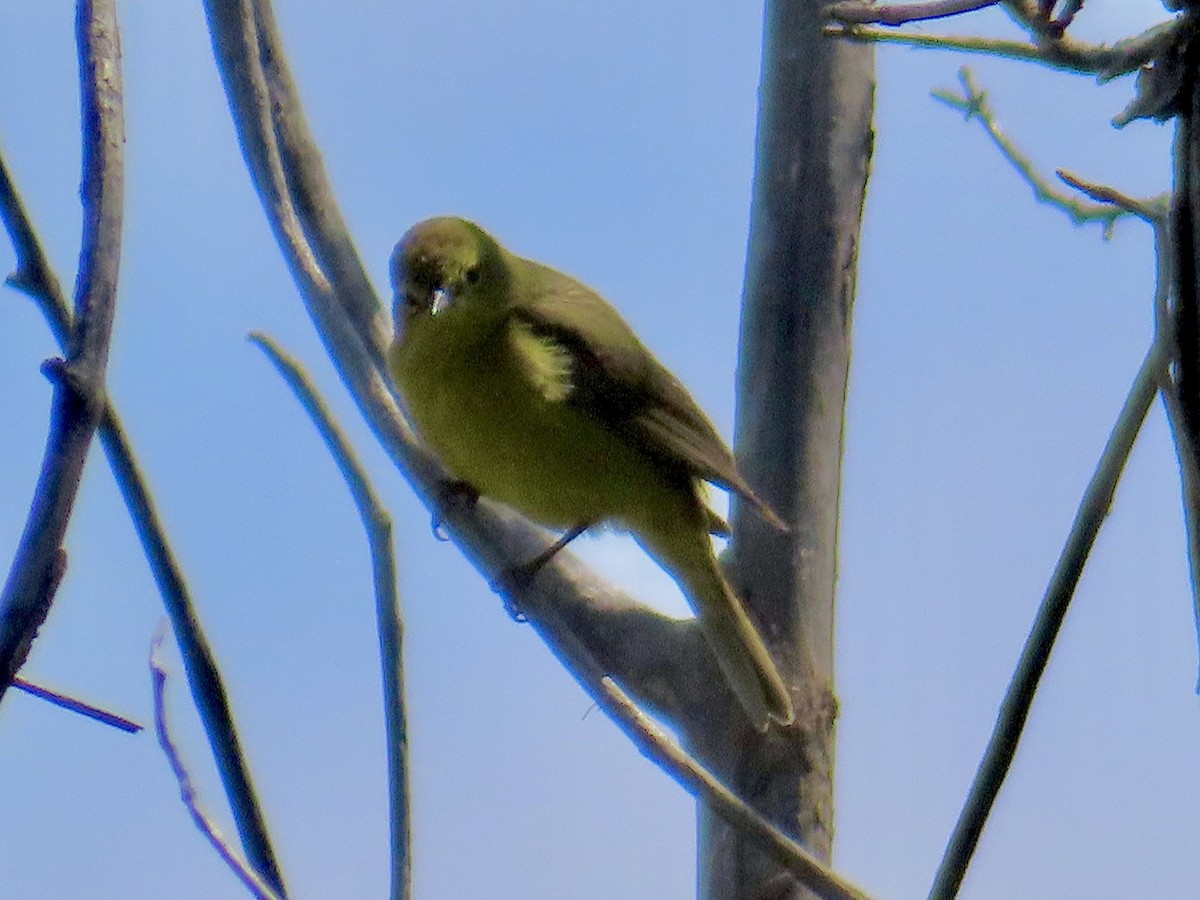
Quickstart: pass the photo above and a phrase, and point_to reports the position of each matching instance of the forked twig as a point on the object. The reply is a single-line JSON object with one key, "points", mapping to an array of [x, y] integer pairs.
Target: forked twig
{"points": [[187, 793]]}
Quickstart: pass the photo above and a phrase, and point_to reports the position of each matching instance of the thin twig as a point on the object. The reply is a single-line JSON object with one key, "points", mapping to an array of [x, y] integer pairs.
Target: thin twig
{"points": [[36, 278], [33, 274], [378, 525], [66, 701], [858, 12], [972, 102], [79, 381], [1152, 210], [187, 792], [656, 746], [1002, 747], [1064, 54]]}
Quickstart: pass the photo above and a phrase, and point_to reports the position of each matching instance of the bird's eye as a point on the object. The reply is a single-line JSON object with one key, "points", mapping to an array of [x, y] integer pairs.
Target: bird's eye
{"points": [[472, 275]]}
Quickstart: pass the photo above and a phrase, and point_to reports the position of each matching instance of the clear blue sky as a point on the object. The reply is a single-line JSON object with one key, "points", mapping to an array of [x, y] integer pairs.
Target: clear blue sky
{"points": [[994, 344]]}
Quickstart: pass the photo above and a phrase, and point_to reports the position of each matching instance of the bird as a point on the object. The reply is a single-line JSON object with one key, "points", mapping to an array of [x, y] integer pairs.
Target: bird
{"points": [[532, 390]]}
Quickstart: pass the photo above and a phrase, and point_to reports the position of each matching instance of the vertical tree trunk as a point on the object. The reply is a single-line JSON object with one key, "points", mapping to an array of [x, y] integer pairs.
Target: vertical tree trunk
{"points": [[813, 150]]}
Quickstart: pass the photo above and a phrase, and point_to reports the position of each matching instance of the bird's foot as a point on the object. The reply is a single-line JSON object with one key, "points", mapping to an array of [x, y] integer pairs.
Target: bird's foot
{"points": [[510, 582], [451, 492]]}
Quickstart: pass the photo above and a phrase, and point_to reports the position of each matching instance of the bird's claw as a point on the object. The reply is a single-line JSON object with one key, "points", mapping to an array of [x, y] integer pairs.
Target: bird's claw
{"points": [[510, 582], [451, 491]]}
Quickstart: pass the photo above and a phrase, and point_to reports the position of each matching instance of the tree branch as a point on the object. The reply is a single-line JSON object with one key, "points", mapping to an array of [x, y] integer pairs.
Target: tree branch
{"points": [[1002, 747], [1186, 441], [187, 793], [973, 104], [1179, 314], [812, 155], [858, 12], [1062, 53], [79, 381], [36, 278], [66, 701], [378, 525]]}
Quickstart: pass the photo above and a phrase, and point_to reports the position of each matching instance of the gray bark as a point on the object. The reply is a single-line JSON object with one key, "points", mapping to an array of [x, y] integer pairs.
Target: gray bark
{"points": [[813, 151]]}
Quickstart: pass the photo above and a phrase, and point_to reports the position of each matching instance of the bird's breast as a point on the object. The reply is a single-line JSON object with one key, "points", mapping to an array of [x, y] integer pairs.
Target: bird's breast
{"points": [[497, 412]]}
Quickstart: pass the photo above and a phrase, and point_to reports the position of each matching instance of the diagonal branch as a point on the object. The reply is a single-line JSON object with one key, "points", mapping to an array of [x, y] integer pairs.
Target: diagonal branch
{"points": [[1002, 747], [79, 381], [65, 701]]}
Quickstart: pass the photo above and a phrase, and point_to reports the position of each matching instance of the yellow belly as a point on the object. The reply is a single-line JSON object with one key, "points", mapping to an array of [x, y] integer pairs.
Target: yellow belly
{"points": [[497, 430]]}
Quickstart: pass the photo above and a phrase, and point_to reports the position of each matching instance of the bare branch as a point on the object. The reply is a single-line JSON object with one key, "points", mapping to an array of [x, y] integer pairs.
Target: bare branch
{"points": [[972, 102], [66, 701], [1002, 747], [33, 275], [1185, 438], [1179, 315], [187, 792], [702, 784], [1062, 53], [378, 525], [858, 12], [36, 278], [1152, 210], [79, 381], [656, 746]]}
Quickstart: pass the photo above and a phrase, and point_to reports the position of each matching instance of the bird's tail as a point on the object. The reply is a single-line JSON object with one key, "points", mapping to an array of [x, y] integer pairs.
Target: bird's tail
{"points": [[740, 651]]}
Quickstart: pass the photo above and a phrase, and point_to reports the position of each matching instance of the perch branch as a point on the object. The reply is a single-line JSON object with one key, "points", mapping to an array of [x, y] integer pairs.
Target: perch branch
{"points": [[378, 525]]}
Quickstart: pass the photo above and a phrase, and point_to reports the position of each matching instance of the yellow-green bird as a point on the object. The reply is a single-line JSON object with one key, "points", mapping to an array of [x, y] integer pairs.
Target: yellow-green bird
{"points": [[534, 391]]}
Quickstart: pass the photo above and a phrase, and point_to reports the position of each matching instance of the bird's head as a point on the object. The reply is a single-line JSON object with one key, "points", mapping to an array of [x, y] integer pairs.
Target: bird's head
{"points": [[447, 267]]}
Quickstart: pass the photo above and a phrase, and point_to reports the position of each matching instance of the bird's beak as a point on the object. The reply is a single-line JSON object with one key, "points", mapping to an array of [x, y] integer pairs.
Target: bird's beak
{"points": [[440, 301]]}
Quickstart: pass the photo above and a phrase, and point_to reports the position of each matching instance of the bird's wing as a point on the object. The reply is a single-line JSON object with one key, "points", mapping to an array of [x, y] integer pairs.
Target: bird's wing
{"points": [[614, 377]]}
